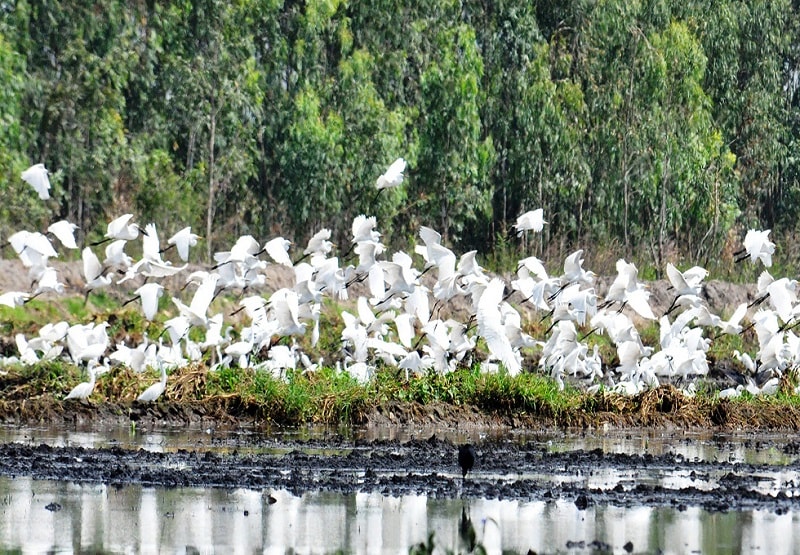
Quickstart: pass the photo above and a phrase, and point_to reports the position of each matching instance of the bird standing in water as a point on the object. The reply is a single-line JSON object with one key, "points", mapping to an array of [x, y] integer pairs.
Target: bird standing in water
{"points": [[466, 458]]}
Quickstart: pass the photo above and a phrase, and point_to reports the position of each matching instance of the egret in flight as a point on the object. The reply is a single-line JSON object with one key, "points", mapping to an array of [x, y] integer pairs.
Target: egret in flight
{"points": [[532, 220], [36, 175]]}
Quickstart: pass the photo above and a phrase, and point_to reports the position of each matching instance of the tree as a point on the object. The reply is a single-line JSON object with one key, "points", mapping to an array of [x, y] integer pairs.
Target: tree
{"points": [[454, 158]]}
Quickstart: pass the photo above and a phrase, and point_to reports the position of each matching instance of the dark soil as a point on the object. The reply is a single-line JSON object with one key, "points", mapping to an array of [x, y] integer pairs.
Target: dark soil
{"points": [[429, 467]]}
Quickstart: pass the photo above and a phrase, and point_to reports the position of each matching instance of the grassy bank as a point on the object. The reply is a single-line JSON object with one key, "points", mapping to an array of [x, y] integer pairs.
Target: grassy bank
{"points": [[326, 396]]}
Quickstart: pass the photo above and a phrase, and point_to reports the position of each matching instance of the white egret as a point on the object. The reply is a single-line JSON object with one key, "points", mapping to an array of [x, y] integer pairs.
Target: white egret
{"points": [[284, 303], [149, 293], [121, 228], [278, 250], [363, 229], [151, 248], [36, 176], [14, 298], [182, 240], [532, 220], [83, 390], [24, 242], [320, 243], [490, 327], [64, 231], [155, 391], [116, 257], [628, 290], [757, 246], [93, 271], [48, 282], [196, 311], [393, 176]]}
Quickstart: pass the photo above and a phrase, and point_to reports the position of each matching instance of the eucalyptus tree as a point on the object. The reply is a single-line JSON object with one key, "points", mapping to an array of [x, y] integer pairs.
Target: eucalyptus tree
{"points": [[78, 63], [454, 154], [215, 92]]}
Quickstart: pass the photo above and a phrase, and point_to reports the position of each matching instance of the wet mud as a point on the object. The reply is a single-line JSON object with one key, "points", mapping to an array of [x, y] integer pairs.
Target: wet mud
{"points": [[502, 470]]}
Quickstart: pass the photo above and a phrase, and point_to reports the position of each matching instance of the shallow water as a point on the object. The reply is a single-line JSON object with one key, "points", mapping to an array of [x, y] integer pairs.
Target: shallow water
{"points": [[155, 520], [749, 448], [40, 515]]}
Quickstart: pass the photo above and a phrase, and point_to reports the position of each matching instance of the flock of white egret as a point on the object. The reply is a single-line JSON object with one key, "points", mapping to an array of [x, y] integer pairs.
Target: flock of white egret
{"points": [[399, 322]]}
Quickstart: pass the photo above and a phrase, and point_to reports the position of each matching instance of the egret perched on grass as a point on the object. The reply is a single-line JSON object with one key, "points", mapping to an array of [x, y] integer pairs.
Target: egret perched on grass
{"points": [[84, 390], [36, 176], [155, 391]]}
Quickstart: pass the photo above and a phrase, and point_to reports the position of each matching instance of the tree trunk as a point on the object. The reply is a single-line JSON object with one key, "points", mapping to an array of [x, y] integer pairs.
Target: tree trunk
{"points": [[211, 183]]}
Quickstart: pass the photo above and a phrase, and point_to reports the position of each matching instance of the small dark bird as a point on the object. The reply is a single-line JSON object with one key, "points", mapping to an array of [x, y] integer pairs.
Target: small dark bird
{"points": [[466, 458]]}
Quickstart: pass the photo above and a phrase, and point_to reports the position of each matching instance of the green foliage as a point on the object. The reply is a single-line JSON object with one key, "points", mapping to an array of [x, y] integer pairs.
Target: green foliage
{"points": [[665, 127]]}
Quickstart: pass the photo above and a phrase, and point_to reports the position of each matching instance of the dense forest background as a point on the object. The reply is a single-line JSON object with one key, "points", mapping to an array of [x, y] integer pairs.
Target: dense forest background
{"points": [[656, 129]]}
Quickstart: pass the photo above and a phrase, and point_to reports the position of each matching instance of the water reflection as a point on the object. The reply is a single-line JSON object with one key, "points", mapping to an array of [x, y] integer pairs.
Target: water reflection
{"points": [[152, 520], [693, 446]]}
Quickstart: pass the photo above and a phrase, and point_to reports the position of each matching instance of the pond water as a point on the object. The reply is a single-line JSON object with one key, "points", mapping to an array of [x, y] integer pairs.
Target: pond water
{"points": [[47, 516], [57, 517]]}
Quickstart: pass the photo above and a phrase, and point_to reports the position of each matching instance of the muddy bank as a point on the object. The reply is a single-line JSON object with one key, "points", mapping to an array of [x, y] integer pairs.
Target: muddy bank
{"points": [[663, 407], [428, 467]]}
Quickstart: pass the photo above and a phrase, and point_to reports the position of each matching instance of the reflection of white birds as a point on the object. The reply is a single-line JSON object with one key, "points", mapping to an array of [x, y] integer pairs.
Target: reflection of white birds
{"points": [[393, 176], [36, 175], [532, 220], [153, 392]]}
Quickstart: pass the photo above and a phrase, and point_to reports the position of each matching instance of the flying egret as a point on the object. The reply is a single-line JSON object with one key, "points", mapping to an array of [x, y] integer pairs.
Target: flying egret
{"points": [[93, 272], [278, 250], [182, 240], [320, 243], [532, 220], [390, 179], [757, 246], [120, 228], [64, 231], [687, 285], [197, 309], [36, 176], [153, 392], [14, 298], [491, 328], [393, 176], [149, 293]]}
